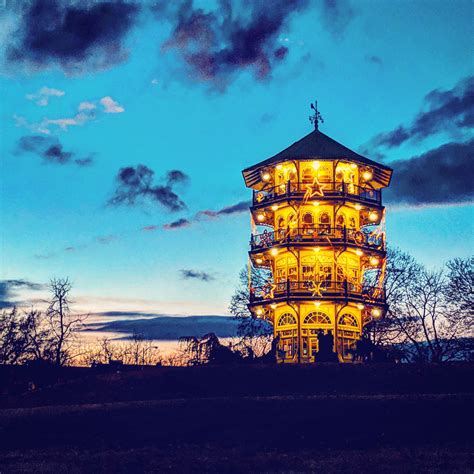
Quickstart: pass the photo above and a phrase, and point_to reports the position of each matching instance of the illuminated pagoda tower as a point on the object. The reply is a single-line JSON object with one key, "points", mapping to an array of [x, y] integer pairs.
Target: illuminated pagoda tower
{"points": [[318, 230]]}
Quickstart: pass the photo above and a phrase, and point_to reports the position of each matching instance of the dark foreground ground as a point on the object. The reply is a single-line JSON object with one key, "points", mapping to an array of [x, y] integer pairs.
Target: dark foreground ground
{"points": [[327, 418]]}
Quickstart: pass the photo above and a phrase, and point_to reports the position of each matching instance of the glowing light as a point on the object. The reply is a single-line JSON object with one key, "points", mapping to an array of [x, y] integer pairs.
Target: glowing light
{"points": [[274, 207], [367, 175], [353, 166], [259, 311], [317, 304], [273, 306], [358, 207], [373, 216], [274, 252], [316, 164], [259, 260], [261, 217], [376, 312], [316, 203], [360, 306], [266, 176], [374, 261], [279, 167], [317, 249], [359, 252]]}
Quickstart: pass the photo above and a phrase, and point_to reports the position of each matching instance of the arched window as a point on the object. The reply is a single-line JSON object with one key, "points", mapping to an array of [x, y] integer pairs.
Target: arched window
{"points": [[317, 317], [307, 175], [324, 221], [287, 319], [348, 320], [352, 223], [308, 220], [281, 222], [340, 220]]}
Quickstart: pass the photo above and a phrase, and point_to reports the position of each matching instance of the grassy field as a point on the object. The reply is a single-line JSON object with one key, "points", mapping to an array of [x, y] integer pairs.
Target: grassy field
{"points": [[329, 418]]}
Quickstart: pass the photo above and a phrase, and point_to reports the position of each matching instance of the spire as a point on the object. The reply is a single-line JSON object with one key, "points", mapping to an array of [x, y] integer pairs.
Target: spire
{"points": [[316, 117]]}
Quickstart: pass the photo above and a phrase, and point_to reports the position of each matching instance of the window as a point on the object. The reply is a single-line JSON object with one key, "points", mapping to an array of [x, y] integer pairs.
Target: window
{"points": [[317, 317], [307, 175], [352, 223], [324, 173], [286, 319], [308, 220], [324, 222], [348, 320], [340, 220]]}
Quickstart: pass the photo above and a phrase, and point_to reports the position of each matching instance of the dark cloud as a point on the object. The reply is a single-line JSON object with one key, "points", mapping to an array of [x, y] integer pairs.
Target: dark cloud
{"points": [[442, 175], [371, 58], [217, 45], [443, 111], [196, 275], [8, 289], [50, 150], [336, 16], [75, 35], [150, 228], [178, 224], [135, 184], [238, 208]]}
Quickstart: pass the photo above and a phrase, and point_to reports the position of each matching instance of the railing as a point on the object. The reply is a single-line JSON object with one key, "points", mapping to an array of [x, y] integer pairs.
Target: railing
{"points": [[317, 235], [310, 288], [330, 189]]}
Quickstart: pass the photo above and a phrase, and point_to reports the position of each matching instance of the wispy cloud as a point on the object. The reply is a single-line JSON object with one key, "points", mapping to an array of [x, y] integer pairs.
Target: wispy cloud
{"points": [[41, 97], [51, 150], [111, 106], [187, 274], [9, 289]]}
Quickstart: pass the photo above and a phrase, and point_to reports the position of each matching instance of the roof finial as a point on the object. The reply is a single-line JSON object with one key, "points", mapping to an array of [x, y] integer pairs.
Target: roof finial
{"points": [[316, 117]]}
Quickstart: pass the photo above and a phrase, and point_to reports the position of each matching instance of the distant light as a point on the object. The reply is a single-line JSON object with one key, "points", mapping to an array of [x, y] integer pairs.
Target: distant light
{"points": [[359, 252], [274, 252], [358, 207], [376, 312], [261, 217], [266, 176], [316, 165], [259, 260], [274, 207], [360, 306], [374, 261], [373, 216], [367, 175]]}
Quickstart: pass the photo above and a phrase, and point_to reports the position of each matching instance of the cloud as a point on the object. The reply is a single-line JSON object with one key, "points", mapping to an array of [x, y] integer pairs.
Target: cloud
{"points": [[41, 97], [50, 150], [76, 36], [8, 289], [111, 106], [442, 175], [336, 16], [371, 58], [135, 184], [106, 239], [216, 45], [449, 110], [178, 224], [86, 106], [196, 275], [240, 207]]}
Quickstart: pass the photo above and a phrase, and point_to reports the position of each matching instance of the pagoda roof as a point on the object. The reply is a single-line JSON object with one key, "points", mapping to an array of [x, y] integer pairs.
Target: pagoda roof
{"points": [[318, 146]]}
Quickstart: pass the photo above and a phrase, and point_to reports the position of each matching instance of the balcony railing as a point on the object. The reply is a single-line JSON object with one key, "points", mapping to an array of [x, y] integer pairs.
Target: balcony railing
{"points": [[317, 235], [330, 190], [322, 289]]}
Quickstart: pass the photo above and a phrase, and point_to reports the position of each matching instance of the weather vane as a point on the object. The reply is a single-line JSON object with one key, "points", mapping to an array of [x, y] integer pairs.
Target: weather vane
{"points": [[316, 117]]}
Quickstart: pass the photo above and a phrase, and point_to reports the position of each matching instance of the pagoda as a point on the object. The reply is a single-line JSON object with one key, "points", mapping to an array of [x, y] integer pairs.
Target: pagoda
{"points": [[318, 234]]}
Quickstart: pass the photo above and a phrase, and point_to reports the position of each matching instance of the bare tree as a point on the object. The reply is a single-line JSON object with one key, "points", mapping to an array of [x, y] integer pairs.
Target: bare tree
{"points": [[255, 335], [62, 323]]}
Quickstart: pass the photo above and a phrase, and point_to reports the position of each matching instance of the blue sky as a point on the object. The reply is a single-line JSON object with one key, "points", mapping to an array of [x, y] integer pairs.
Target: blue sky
{"points": [[369, 64]]}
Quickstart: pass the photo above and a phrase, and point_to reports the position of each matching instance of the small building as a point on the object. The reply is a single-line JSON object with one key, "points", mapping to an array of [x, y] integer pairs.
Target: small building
{"points": [[319, 232]]}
